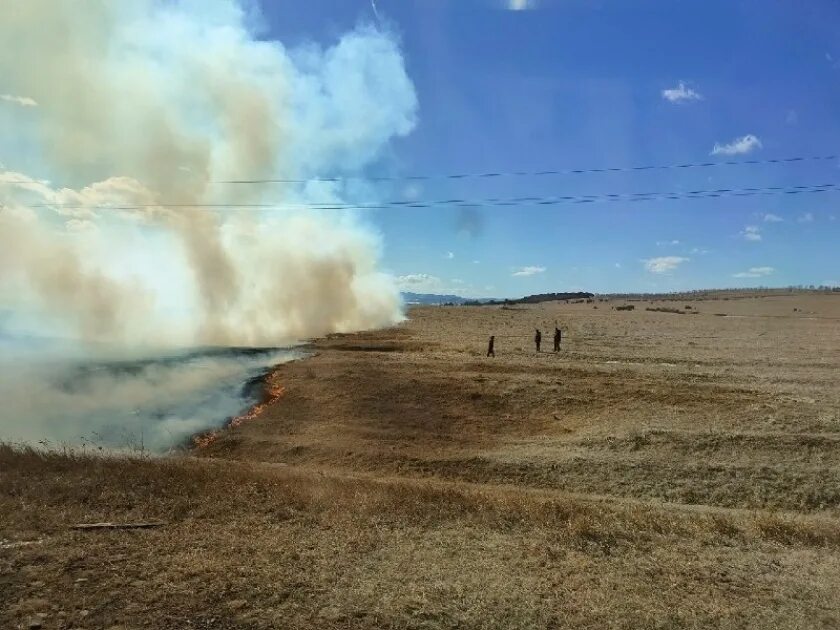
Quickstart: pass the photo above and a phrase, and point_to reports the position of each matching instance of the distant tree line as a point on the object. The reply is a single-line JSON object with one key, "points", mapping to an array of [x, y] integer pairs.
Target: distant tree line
{"points": [[579, 297], [535, 299]]}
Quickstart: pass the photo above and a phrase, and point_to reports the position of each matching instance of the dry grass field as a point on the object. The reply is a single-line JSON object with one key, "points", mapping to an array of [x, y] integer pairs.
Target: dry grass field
{"points": [[662, 470]]}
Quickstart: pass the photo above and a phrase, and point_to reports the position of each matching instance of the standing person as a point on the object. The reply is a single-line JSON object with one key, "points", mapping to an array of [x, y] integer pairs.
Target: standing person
{"points": [[538, 339], [490, 351], [558, 337]]}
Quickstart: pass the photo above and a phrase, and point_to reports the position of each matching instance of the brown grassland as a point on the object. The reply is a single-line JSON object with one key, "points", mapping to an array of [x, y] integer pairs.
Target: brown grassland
{"points": [[663, 470]]}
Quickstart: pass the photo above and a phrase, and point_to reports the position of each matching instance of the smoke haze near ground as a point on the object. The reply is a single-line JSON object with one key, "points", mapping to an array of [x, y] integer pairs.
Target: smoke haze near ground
{"points": [[119, 115], [155, 404]]}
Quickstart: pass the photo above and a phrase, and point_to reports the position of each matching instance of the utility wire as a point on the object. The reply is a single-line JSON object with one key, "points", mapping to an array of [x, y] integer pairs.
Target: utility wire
{"points": [[474, 203], [574, 171], [490, 175]]}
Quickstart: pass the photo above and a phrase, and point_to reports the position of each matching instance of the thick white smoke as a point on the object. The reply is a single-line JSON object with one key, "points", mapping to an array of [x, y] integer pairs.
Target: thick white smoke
{"points": [[149, 103], [116, 117]]}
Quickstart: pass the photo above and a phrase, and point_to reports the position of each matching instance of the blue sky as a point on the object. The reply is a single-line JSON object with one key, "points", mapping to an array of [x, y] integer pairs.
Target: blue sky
{"points": [[579, 84], [500, 86]]}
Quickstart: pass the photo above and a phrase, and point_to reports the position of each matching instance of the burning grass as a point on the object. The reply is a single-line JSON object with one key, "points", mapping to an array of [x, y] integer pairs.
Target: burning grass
{"points": [[272, 392]]}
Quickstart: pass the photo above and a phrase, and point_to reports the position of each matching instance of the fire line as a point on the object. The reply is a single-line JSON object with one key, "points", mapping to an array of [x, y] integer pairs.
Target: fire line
{"points": [[272, 394]]}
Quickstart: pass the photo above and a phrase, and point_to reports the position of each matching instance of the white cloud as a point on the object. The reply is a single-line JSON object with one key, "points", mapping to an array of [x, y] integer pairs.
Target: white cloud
{"points": [[754, 272], [739, 146], [417, 278], [681, 94], [23, 101], [664, 264], [449, 255], [476, 262], [428, 283], [88, 201], [699, 250], [673, 242], [751, 233], [415, 281], [528, 271], [520, 5], [772, 218], [618, 265], [805, 218]]}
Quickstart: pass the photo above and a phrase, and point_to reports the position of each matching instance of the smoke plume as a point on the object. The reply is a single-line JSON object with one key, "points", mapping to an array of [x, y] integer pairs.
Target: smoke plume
{"points": [[119, 121], [143, 106]]}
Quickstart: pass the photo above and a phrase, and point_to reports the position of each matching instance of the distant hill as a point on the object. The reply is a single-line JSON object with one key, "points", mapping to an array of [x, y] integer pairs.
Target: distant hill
{"points": [[535, 299], [431, 298], [551, 297], [434, 298]]}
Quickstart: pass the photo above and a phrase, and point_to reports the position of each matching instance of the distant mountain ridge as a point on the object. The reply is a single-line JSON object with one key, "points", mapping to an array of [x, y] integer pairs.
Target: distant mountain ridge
{"points": [[434, 298], [552, 297], [431, 298]]}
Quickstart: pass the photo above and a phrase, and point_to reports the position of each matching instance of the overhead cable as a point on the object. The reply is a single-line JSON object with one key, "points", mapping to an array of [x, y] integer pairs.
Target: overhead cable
{"points": [[536, 173], [471, 203]]}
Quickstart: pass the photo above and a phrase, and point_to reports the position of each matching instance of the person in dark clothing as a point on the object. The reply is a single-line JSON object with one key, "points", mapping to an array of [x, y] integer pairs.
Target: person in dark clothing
{"points": [[538, 339], [558, 337], [490, 351]]}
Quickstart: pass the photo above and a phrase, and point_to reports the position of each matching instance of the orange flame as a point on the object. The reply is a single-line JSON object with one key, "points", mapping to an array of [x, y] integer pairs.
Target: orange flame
{"points": [[205, 439], [272, 394]]}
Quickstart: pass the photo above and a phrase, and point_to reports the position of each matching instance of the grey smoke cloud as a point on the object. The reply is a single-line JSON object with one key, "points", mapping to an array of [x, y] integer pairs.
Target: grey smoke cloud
{"points": [[125, 403], [148, 103], [142, 105]]}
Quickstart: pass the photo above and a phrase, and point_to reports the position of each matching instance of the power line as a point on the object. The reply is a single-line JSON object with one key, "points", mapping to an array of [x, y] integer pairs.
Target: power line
{"points": [[474, 203], [573, 171], [490, 175]]}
